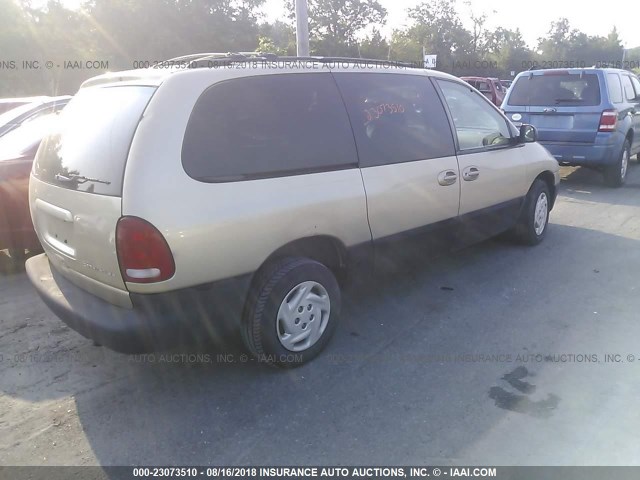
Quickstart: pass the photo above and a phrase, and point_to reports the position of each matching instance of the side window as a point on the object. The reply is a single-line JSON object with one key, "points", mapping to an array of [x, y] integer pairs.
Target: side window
{"points": [[628, 88], [477, 123], [395, 118], [636, 86], [615, 88], [268, 125]]}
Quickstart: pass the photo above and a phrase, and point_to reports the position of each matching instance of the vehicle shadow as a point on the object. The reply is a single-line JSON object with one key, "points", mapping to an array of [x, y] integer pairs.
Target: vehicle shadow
{"points": [[371, 398], [586, 184]]}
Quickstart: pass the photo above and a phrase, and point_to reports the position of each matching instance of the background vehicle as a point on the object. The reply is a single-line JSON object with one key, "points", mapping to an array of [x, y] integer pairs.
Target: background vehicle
{"points": [[506, 83], [183, 198], [489, 87], [20, 115], [17, 151], [7, 104], [588, 117]]}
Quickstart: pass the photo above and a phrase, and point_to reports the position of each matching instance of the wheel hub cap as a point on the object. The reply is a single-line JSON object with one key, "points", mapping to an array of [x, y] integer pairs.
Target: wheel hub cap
{"points": [[625, 164], [303, 316], [540, 215]]}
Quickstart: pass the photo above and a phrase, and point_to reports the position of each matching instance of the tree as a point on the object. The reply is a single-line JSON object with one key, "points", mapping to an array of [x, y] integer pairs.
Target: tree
{"points": [[478, 40], [277, 37], [334, 25], [374, 46], [566, 44], [436, 28]]}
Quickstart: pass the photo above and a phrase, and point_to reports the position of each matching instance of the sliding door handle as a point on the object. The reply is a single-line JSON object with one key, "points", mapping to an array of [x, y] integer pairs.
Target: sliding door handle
{"points": [[448, 177], [470, 173]]}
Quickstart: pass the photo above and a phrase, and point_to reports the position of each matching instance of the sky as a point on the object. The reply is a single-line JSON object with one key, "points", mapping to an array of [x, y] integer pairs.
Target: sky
{"points": [[533, 17]]}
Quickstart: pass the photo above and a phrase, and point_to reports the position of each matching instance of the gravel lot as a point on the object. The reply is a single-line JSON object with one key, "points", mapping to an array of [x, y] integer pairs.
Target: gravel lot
{"points": [[441, 363]]}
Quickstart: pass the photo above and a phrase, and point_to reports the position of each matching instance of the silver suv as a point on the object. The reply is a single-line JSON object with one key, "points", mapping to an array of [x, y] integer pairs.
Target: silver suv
{"points": [[181, 203]]}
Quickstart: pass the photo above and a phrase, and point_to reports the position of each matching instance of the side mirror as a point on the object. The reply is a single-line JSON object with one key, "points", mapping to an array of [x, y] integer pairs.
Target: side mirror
{"points": [[528, 134]]}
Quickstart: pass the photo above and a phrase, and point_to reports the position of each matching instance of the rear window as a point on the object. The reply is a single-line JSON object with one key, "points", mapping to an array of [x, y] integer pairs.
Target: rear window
{"points": [[563, 89], [479, 85], [268, 125], [89, 148]]}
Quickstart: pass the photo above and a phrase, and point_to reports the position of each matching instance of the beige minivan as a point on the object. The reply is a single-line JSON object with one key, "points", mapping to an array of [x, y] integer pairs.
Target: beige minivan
{"points": [[181, 203]]}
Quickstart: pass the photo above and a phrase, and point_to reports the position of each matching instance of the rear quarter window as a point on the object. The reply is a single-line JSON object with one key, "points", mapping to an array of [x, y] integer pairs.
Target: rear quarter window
{"points": [[627, 86], [615, 88], [636, 85], [268, 125], [561, 89]]}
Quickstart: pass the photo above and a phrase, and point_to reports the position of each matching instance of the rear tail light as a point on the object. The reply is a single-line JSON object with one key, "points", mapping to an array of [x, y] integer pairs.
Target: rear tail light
{"points": [[608, 121], [143, 253]]}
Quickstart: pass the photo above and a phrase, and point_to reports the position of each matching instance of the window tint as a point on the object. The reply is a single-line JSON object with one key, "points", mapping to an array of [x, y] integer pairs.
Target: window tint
{"points": [[556, 88], [396, 118], [268, 125], [477, 123], [615, 88], [636, 85], [629, 93], [88, 148]]}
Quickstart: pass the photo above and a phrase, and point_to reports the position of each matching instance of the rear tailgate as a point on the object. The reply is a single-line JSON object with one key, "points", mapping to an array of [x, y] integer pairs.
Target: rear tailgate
{"points": [[564, 106], [565, 124], [76, 186]]}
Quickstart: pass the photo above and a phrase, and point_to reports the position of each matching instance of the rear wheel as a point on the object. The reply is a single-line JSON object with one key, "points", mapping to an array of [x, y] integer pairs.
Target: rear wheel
{"points": [[616, 174], [532, 224], [292, 312]]}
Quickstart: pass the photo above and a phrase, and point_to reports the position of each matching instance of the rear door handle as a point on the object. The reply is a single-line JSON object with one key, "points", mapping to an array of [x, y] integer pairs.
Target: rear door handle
{"points": [[448, 177], [470, 173]]}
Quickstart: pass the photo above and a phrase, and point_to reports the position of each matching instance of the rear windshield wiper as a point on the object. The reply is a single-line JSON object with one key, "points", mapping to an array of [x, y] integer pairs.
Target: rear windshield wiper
{"points": [[558, 100], [80, 179]]}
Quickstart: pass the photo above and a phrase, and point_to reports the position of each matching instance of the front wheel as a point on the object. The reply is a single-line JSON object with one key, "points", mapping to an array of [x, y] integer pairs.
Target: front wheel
{"points": [[616, 174], [532, 224], [292, 312]]}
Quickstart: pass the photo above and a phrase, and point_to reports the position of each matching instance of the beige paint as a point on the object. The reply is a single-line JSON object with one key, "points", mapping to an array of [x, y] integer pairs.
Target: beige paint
{"points": [[219, 230]]}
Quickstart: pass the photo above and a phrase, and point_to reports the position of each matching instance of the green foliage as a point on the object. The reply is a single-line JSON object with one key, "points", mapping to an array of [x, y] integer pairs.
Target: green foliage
{"points": [[571, 45], [129, 33], [278, 37]]}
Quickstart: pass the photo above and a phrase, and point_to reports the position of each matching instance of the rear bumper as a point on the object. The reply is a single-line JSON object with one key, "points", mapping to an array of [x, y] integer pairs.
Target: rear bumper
{"points": [[604, 151], [160, 321]]}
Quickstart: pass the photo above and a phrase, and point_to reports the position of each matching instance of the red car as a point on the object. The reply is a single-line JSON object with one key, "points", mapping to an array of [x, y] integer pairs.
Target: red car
{"points": [[489, 87], [7, 104], [17, 151]]}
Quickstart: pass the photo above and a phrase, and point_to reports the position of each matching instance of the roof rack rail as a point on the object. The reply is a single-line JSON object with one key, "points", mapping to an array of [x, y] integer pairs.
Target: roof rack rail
{"points": [[220, 56], [374, 61], [194, 58]]}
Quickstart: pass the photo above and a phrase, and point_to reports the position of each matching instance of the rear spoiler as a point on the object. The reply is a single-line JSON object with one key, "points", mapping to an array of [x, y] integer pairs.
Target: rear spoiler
{"points": [[143, 77]]}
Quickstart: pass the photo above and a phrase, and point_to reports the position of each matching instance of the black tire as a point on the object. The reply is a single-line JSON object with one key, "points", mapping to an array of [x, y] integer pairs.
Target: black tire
{"points": [[269, 289], [614, 176], [525, 230], [18, 255]]}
